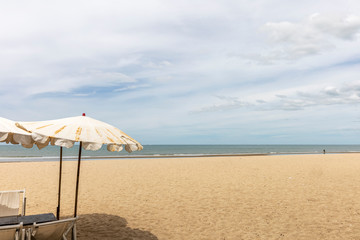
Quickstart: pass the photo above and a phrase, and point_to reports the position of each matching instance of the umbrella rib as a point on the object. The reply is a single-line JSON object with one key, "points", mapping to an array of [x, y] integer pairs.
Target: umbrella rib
{"points": [[110, 139], [78, 133], [59, 130], [98, 132], [44, 126], [114, 135]]}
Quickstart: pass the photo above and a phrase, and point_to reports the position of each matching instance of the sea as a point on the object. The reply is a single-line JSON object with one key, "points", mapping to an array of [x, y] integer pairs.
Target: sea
{"points": [[16, 153]]}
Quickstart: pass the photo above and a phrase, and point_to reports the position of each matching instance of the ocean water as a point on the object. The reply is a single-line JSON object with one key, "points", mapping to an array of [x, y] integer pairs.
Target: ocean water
{"points": [[13, 153]]}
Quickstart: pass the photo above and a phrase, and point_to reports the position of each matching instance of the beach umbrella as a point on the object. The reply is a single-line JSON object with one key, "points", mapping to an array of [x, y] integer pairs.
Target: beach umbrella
{"points": [[9, 133], [90, 133]]}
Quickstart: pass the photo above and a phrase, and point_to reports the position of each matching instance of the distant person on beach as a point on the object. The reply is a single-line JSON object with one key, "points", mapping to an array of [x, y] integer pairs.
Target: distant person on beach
{"points": [[324, 151]]}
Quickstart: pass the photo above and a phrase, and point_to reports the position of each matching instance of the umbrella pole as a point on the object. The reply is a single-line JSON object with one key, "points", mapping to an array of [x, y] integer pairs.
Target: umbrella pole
{"points": [[59, 193], [77, 181]]}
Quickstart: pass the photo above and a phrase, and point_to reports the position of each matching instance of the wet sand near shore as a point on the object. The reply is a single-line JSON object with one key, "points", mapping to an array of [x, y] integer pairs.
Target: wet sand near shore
{"points": [[239, 197]]}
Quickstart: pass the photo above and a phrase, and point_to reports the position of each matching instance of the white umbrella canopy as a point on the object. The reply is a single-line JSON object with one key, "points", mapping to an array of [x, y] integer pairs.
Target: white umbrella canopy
{"points": [[10, 133], [91, 132]]}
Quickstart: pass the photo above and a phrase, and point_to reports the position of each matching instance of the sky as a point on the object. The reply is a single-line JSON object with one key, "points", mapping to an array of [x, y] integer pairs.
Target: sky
{"points": [[187, 72]]}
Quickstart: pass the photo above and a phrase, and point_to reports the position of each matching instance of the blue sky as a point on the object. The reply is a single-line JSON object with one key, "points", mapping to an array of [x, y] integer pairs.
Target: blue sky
{"points": [[187, 72]]}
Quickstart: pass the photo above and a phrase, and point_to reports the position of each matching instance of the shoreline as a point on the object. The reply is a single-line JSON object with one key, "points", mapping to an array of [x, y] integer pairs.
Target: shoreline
{"points": [[14, 159]]}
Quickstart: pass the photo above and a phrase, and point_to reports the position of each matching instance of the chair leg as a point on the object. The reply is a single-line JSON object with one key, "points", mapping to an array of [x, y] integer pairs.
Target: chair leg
{"points": [[23, 233], [28, 234], [74, 232]]}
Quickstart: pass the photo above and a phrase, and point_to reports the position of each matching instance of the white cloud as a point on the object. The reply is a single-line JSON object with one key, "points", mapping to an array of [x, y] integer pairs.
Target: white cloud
{"points": [[314, 35], [292, 100], [131, 87], [226, 103], [343, 27]]}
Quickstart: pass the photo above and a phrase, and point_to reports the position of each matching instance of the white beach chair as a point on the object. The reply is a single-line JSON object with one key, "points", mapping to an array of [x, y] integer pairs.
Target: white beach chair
{"points": [[56, 230], [12, 232], [10, 203]]}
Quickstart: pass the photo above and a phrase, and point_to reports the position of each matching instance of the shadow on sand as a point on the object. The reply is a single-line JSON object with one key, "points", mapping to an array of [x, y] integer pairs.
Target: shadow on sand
{"points": [[104, 226]]}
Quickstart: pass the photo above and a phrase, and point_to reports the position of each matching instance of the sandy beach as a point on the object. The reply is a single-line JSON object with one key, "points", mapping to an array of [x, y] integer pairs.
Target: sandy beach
{"points": [[240, 197]]}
